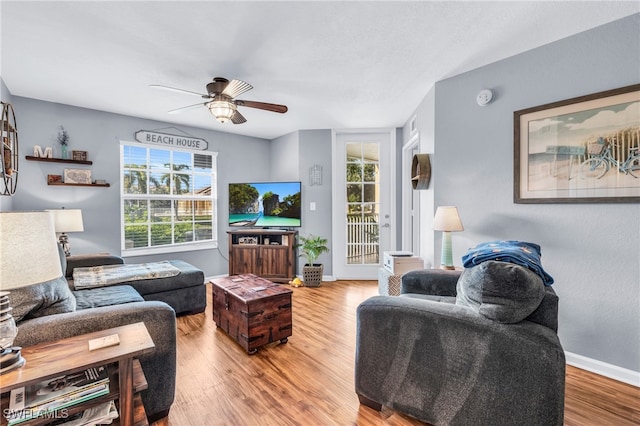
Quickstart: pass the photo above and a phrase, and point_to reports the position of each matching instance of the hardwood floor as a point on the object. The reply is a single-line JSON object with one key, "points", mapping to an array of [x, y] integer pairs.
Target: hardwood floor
{"points": [[309, 380]]}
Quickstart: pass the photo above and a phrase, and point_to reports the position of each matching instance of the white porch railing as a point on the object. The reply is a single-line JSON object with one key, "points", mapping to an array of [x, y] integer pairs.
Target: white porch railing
{"points": [[362, 238]]}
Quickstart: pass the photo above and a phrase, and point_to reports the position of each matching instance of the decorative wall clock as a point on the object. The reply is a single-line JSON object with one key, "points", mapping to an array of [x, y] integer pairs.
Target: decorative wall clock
{"points": [[9, 150], [420, 171]]}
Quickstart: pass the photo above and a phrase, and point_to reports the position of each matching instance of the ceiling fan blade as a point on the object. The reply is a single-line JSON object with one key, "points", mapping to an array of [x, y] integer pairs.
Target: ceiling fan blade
{"points": [[238, 118], [236, 88], [173, 89], [184, 108], [263, 105]]}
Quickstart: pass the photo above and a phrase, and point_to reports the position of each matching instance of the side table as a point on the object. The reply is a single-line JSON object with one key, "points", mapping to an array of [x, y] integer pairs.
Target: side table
{"points": [[72, 355]]}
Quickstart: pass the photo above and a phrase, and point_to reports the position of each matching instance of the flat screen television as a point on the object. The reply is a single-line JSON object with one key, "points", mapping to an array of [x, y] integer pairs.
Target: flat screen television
{"points": [[265, 204]]}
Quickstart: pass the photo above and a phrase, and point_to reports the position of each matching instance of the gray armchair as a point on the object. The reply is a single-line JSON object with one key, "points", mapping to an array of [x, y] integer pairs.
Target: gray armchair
{"points": [[476, 349]]}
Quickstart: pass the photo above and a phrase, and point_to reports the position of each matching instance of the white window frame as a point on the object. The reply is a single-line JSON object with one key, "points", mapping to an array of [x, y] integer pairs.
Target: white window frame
{"points": [[174, 247]]}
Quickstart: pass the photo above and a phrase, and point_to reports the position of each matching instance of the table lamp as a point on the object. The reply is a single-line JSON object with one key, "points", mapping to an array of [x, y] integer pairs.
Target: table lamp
{"points": [[447, 220], [28, 255], [67, 220]]}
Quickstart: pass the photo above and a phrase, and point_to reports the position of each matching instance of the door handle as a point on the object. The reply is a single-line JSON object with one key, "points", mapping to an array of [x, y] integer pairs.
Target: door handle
{"points": [[386, 225]]}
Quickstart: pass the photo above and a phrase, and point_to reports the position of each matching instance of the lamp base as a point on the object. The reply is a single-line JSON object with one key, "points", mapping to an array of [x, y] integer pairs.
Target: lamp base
{"points": [[448, 267], [446, 255], [10, 359], [64, 242]]}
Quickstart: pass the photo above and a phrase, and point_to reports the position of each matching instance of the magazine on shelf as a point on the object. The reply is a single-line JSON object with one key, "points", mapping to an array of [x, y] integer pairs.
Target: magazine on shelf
{"points": [[102, 414], [56, 387], [57, 392], [52, 409]]}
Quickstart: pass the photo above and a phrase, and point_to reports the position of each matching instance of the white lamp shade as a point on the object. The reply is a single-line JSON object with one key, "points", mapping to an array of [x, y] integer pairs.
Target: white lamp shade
{"points": [[28, 249], [447, 219], [68, 220]]}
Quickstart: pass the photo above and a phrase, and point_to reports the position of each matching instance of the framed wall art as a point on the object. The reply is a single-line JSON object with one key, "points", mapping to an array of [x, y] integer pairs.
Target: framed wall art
{"points": [[580, 150], [77, 176], [54, 178], [79, 155]]}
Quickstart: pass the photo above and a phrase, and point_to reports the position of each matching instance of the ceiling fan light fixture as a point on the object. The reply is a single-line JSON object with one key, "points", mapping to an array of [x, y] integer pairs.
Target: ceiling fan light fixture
{"points": [[222, 110], [221, 100]]}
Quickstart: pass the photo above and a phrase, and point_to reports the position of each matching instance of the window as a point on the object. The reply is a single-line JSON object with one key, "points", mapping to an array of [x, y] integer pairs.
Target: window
{"points": [[363, 202], [168, 200]]}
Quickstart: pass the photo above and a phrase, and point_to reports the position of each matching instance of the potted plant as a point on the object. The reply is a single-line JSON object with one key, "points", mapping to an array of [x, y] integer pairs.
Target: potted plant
{"points": [[311, 248], [63, 140]]}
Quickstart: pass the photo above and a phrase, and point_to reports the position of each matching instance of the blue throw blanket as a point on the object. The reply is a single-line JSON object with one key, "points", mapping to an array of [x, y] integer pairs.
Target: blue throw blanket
{"points": [[518, 252]]}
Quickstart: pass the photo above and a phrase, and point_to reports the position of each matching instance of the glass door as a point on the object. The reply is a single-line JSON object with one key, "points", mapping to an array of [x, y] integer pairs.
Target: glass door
{"points": [[363, 203], [362, 216]]}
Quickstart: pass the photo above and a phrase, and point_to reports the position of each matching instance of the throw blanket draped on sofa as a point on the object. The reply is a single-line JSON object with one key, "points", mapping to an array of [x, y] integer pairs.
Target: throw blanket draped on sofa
{"points": [[100, 276]]}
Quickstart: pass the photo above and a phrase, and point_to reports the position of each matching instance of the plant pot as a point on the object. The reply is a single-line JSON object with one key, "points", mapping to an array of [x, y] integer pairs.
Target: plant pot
{"points": [[312, 275]]}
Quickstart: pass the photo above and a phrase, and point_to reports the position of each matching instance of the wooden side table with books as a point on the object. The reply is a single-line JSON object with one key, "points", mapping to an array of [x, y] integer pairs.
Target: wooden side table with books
{"points": [[72, 355]]}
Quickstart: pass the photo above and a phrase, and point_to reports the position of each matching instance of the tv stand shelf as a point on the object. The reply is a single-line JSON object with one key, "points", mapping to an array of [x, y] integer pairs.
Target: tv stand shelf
{"points": [[268, 253]]}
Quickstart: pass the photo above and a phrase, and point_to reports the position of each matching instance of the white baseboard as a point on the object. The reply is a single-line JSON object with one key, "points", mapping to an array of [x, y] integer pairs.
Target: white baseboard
{"points": [[608, 370], [324, 277], [207, 279]]}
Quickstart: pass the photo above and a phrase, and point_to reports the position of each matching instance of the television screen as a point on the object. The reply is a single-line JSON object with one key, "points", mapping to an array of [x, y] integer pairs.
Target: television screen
{"points": [[265, 204]]}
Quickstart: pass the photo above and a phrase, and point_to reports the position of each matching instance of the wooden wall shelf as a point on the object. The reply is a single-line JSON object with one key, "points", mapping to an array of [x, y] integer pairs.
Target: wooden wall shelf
{"points": [[58, 160], [69, 161], [104, 185]]}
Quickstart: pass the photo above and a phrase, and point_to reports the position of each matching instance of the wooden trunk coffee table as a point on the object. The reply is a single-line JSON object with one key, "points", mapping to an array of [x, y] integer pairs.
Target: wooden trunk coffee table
{"points": [[252, 310]]}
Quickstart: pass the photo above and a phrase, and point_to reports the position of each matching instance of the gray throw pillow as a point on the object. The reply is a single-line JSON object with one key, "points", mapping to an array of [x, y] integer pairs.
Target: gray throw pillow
{"points": [[38, 300], [501, 291]]}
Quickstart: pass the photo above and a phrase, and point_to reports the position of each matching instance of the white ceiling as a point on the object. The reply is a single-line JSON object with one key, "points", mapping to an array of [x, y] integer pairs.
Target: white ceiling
{"points": [[346, 64]]}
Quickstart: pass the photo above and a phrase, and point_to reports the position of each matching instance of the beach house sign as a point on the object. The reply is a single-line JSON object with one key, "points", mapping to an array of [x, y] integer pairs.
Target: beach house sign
{"points": [[176, 141]]}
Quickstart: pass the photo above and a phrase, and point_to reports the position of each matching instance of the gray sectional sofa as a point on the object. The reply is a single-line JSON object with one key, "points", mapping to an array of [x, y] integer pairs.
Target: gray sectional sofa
{"points": [[53, 310], [185, 292]]}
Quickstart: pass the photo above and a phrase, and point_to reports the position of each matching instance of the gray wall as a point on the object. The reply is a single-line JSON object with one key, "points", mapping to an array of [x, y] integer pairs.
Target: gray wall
{"points": [[292, 156], [240, 159], [284, 158], [590, 249], [99, 133], [425, 124], [315, 148]]}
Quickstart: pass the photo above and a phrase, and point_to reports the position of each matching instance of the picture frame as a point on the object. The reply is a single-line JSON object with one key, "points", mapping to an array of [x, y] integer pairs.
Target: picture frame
{"points": [[579, 150], [54, 179], [77, 176], [79, 155]]}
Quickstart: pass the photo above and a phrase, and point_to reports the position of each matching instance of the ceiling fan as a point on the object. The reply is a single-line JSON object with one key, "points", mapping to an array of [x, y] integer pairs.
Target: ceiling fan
{"points": [[221, 102]]}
